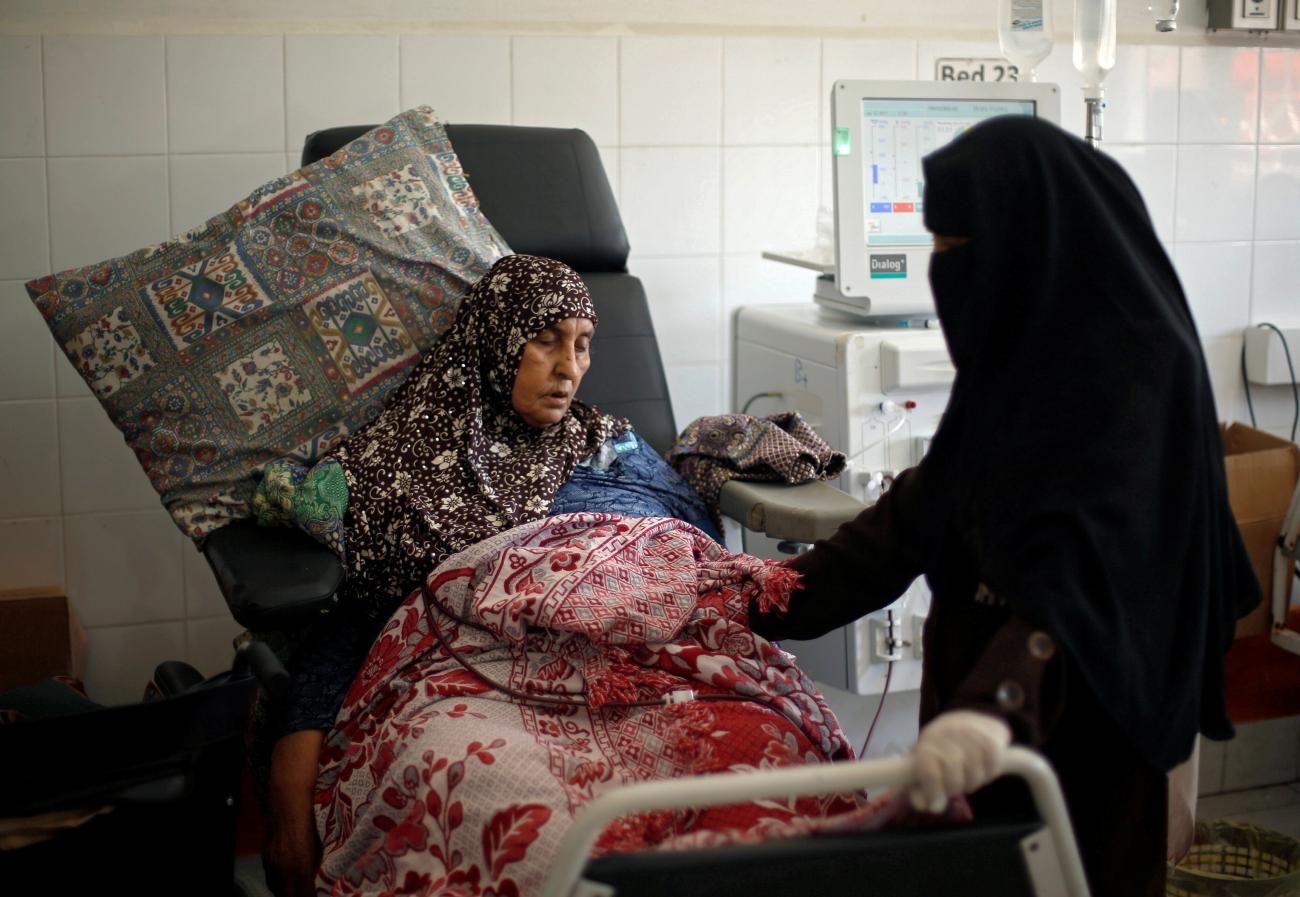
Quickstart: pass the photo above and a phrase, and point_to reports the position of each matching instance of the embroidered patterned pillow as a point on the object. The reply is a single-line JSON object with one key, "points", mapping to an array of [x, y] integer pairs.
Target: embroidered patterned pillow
{"points": [[281, 325]]}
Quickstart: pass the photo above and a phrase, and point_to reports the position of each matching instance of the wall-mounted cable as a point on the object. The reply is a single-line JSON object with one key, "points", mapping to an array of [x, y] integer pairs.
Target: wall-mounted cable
{"points": [[1295, 389], [899, 414], [884, 691], [760, 395]]}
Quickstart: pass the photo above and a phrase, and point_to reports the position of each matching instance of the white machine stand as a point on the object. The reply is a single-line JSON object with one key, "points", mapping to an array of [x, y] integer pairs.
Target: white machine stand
{"points": [[875, 393]]}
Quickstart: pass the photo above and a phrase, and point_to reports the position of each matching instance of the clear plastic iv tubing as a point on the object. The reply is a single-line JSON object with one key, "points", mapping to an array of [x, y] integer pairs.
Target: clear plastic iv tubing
{"points": [[1094, 57]]}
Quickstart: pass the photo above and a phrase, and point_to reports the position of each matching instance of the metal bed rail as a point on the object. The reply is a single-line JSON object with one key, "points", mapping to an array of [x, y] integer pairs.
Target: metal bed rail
{"points": [[1054, 863]]}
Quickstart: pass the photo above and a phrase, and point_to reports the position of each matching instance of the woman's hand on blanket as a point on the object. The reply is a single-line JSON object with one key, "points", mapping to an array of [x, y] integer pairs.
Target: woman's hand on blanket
{"points": [[956, 753]]}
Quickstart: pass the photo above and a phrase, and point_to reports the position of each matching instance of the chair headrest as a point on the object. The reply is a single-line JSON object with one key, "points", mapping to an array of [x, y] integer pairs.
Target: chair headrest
{"points": [[543, 189]]}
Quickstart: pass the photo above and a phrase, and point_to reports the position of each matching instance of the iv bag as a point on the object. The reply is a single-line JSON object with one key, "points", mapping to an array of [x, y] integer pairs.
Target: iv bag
{"points": [[1094, 43], [1025, 34]]}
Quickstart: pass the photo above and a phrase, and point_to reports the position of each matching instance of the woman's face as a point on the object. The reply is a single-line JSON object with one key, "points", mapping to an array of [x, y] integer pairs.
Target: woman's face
{"points": [[550, 370]]}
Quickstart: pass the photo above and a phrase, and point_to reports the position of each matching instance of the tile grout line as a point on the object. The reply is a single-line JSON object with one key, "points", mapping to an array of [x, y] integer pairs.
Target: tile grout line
{"points": [[171, 232], [1254, 193], [617, 188], [284, 90], [722, 215], [49, 265]]}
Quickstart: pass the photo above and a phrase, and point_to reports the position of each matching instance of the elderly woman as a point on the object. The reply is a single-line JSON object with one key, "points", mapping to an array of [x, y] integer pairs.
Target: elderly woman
{"points": [[1071, 517], [480, 438]]}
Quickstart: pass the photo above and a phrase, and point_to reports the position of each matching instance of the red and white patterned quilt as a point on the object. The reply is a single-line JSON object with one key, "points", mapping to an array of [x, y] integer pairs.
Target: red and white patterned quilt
{"points": [[436, 779]]}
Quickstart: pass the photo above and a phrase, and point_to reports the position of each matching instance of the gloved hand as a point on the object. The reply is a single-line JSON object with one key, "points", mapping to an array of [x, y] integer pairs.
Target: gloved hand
{"points": [[956, 753]]}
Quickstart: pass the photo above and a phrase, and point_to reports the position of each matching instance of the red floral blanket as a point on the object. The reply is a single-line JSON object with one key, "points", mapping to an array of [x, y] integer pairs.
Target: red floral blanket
{"points": [[529, 678]]}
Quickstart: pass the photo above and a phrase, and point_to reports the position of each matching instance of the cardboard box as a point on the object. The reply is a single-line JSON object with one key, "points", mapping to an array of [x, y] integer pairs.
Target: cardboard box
{"points": [[40, 637], [1262, 471]]}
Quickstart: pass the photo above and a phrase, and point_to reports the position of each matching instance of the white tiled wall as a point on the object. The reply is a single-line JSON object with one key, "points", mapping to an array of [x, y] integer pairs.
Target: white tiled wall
{"points": [[716, 149]]}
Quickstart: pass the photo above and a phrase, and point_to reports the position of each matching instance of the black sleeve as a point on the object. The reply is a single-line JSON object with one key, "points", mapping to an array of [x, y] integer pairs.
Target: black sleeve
{"points": [[324, 665], [868, 563]]}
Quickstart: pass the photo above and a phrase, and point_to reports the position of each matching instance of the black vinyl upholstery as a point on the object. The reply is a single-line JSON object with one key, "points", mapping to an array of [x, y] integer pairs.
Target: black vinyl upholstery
{"points": [[272, 576], [545, 191], [168, 769], [626, 376], [982, 860]]}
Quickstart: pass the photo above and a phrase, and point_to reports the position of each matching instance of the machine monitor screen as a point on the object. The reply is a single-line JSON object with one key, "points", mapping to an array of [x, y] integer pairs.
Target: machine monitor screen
{"points": [[896, 134], [882, 130]]}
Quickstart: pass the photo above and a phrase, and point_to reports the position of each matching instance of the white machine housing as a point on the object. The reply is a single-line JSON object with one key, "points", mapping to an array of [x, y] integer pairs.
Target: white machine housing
{"points": [[843, 377], [881, 129]]}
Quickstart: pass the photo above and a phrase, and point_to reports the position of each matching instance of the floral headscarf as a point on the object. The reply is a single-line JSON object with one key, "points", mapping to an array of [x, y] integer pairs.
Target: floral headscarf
{"points": [[449, 462]]}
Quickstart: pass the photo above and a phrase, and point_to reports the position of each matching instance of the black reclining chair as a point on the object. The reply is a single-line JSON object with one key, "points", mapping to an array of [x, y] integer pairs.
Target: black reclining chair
{"points": [[545, 191], [157, 784]]}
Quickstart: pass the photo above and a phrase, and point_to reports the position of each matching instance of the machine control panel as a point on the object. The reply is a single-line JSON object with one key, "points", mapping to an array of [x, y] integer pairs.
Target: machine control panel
{"points": [[1249, 15]]}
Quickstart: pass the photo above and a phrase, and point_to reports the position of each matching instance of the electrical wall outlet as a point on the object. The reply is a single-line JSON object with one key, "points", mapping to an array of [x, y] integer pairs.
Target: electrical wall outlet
{"points": [[1269, 354], [885, 644], [1250, 15], [918, 629], [1291, 15]]}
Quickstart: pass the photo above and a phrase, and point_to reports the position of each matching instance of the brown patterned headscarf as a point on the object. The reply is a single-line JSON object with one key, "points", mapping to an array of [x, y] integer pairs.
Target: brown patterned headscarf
{"points": [[449, 462]]}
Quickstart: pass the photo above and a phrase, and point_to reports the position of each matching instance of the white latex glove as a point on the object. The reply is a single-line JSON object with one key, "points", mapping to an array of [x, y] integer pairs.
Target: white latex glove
{"points": [[956, 753]]}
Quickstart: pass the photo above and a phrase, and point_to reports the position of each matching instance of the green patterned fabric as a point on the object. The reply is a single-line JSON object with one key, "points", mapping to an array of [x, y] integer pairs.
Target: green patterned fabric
{"points": [[282, 324], [313, 499]]}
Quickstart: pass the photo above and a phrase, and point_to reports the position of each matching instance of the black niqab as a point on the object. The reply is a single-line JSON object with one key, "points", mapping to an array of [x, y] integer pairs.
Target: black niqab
{"points": [[1080, 452]]}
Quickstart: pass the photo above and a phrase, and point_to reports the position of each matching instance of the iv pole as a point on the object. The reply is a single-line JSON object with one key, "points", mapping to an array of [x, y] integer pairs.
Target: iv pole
{"points": [[1094, 57]]}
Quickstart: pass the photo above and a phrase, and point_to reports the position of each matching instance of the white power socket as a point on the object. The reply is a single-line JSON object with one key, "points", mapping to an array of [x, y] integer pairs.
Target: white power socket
{"points": [[1266, 361]]}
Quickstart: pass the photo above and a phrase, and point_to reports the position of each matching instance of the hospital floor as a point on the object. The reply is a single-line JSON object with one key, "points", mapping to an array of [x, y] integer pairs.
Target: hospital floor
{"points": [[1276, 807]]}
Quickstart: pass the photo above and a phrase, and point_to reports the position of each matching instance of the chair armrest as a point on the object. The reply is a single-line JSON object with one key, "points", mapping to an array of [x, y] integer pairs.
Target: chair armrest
{"points": [[171, 678], [272, 577], [803, 513]]}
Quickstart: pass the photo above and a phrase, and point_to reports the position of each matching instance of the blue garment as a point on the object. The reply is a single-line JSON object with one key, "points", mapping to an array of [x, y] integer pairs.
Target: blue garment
{"points": [[628, 477]]}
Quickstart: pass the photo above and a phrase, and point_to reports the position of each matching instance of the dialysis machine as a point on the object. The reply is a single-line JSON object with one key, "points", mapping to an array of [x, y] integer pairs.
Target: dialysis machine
{"points": [[865, 363]]}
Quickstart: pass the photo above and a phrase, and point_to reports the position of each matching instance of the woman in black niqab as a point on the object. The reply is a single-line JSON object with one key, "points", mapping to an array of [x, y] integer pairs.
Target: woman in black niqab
{"points": [[1071, 516]]}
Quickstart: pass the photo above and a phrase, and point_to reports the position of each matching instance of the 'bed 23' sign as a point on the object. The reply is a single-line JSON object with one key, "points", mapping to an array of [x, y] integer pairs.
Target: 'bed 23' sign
{"points": [[975, 70]]}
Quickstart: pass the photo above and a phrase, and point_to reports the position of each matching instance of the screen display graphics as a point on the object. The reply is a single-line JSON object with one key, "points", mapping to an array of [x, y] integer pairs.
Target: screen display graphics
{"points": [[896, 134]]}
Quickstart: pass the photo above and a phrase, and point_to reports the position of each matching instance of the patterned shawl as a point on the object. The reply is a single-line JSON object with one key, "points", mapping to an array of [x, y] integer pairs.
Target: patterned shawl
{"points": [[434, 782], [780, 448], [449, 462]]}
